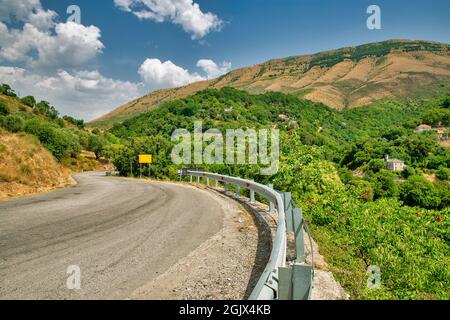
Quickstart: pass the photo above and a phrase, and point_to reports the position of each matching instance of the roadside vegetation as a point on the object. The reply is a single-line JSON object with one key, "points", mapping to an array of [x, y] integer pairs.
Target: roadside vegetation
{"points": [[333, 162], [65, 137]]}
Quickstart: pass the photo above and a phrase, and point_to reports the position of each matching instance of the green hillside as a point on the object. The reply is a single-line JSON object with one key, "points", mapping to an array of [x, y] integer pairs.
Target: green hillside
{"points": [[398, 221]]}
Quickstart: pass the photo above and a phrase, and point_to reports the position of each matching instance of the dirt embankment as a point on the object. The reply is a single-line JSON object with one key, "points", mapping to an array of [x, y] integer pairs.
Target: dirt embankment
{"points": [[27, 168]]}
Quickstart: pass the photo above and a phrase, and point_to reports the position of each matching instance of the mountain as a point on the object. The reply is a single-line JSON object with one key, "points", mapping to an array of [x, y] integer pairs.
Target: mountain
{"points": [[343, 78]]}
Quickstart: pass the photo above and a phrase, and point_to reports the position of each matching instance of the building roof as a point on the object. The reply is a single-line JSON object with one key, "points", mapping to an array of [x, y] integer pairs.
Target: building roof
{"points": [[423, 126], [394, 161]]}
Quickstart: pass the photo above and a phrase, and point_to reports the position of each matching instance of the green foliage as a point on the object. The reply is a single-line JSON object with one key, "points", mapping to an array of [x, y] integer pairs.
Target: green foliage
{"points": [[380, 49], [96, 144], [383, 184], [4, 109], [50, 129], [79, 123], [437, 117], [374, 218], [6, 90], [417, 191], [61, 142], [125, 157], [443, 173], [29, 101], [45, 109], [12, 123]]}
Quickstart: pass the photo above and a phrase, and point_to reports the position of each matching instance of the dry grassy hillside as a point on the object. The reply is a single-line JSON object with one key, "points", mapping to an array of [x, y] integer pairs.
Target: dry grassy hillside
{"points": [[344, 78], [26, 167]]}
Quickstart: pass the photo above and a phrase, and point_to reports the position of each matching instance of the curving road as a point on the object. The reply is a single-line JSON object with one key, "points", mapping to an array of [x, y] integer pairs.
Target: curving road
{"points": [[120, 232]]}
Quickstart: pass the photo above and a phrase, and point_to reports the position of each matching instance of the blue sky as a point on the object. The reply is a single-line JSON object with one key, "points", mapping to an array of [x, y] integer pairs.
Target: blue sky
{"points": [[242, 33]]}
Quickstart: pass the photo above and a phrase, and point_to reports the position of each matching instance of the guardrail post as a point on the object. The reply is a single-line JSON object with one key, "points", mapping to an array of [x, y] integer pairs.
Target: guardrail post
{"points": [[252, 196], [299, 235], [216, 184], [190, 178], [207, 182], [295, 283], [198, 179], [271, 204], [238, 191], [287, 200]]}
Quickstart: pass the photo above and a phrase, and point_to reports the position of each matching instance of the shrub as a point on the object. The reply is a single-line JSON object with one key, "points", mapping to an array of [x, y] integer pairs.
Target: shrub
{"points": [[417, 191], [443, 173], [29, 101], [13, 123], [4, 109], [96, 144], [7, 91], [45, 109], [60, 142]]}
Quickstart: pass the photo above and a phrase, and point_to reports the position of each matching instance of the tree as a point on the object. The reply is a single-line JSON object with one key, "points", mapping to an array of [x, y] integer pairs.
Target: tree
{"points": [[384, 185], [29, 101], [417, 191], [418, 146], [44, 108], [96, 144], [376, 165], [437, 117], [6, 90], [75, 122]]}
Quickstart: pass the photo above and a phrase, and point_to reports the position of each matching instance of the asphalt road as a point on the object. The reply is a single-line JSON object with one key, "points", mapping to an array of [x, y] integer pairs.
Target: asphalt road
{"points": [[120, 232]]}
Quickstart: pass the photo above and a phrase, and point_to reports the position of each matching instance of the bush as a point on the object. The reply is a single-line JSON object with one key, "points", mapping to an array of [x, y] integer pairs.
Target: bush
{"points": [[7, 91], [417, 191], [376, 165], [29, 101], [4, 109], [13, 123], [96, 144], [443, 173], [384, 185], [75, 122], [60, 142], [45, 109]]}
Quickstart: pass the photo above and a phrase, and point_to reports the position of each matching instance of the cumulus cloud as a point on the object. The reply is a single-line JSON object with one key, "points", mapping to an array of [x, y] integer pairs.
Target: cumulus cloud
{"points": [[83, 94], [157, 74], [212, 69], [43, 43], [186, 13], [14, 10]]}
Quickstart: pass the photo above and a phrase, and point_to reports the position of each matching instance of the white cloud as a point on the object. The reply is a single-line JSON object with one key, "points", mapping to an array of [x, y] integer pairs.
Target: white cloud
{"points": [[165, 75], [43, 43], [157, 74], [18, 10], [84, 94], [186, 13], [212, 69]]}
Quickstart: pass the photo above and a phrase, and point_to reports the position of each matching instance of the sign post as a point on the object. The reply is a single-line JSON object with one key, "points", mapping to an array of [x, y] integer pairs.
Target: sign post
{"points": [[146, 159]]}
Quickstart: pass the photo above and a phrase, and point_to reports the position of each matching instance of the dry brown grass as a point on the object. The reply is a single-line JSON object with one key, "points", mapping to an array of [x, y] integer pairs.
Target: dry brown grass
{"points": [[26, 167]]}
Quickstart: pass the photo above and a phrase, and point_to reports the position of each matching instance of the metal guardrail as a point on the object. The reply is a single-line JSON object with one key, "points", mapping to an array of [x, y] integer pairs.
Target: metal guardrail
{"points": [[280, 279]]}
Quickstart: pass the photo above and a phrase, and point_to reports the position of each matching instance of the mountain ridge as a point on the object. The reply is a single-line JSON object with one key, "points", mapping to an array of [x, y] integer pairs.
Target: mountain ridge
{"points": [[341, 78]]}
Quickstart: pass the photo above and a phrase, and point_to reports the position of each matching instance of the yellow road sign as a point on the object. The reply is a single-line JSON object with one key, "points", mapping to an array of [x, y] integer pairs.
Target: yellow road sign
{"points": [[145, 158]]}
